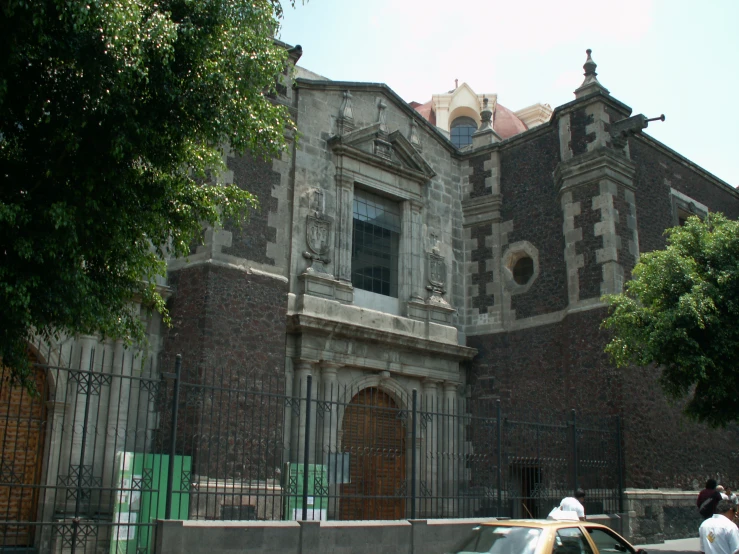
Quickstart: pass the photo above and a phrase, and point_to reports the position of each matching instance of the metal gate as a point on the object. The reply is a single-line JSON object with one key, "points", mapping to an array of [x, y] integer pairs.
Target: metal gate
{"points": [[108, 446]]}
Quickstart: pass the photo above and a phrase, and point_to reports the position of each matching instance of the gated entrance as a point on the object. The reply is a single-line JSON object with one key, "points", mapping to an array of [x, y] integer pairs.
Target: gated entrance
{"points": [[101, 451], [374, 438]]}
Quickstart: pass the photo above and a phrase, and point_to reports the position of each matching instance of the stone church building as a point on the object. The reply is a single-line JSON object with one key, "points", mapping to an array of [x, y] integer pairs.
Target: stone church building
{"points": [[454, 247]]}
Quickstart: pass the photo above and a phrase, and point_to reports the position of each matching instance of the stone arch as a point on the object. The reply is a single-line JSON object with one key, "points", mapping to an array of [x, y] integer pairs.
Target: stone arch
{"points": [[464, 111]]}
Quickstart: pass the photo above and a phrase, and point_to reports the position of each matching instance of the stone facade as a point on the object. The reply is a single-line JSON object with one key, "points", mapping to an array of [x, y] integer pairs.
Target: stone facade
{"points": [[504, 250]]}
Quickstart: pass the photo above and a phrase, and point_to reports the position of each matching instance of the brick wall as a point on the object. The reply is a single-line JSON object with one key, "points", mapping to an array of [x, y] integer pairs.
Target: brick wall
{"points": [[250, 240], [229, 326], [656, 173], [558, 367], [530, 200]]}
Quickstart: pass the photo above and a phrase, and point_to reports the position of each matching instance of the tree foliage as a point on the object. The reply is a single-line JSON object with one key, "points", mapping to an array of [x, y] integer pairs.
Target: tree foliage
{"points": [[680, 311], [112, 113]]}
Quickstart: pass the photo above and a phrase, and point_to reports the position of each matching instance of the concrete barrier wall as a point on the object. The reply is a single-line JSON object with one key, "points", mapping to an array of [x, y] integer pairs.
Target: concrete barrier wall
{"points": [[311, 537], [324, 537]]}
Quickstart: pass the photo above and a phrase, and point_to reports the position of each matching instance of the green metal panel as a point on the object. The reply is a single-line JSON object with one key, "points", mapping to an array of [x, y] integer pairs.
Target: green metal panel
{"points": [[317, 492], [142, 482]]}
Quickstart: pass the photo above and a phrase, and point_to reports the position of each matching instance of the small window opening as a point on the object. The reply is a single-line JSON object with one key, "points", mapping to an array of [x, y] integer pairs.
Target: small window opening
{"points": [[462, 130], [523, 270]]}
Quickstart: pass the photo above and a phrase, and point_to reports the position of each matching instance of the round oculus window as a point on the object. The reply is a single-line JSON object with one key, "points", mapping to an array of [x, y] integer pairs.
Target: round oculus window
{"points": [[523, 270]]}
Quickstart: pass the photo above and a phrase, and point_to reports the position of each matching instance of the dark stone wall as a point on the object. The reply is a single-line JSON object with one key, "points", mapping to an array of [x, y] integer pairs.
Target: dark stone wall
{"points": [[591, 274], [250, 240], [551, 369], [656, 173], [530, 199], [479, 174], [580, 138], [625, 257], [229, 327], [480, 255]]}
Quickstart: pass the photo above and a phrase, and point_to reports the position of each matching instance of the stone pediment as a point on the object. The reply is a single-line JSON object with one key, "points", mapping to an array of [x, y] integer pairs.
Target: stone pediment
{"points": [[390, 151]]}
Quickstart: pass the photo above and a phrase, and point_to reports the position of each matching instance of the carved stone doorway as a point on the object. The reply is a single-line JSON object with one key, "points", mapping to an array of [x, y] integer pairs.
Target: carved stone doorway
{"points": [[374, 436]]}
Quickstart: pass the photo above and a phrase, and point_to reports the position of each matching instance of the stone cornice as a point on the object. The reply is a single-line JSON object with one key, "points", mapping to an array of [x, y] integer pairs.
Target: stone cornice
{"points": [[482, 209], [593, 166], [591, 99], [304, 323]]}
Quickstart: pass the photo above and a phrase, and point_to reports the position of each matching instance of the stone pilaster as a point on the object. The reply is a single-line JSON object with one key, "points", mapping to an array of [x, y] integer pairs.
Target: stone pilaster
{"points": [[344, 203], [416, 228]]}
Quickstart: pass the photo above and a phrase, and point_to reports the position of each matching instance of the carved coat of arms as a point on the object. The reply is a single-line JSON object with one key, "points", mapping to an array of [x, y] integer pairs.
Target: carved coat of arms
{"points": [[436, 272], [318, 239]]}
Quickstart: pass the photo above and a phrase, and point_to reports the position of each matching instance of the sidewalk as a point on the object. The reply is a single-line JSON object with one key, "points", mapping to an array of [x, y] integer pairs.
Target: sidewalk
{"points": [[677, 545]]}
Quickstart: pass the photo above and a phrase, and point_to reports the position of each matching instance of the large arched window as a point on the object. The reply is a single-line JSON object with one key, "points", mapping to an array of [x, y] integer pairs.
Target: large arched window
{"points": [[462, 131]]}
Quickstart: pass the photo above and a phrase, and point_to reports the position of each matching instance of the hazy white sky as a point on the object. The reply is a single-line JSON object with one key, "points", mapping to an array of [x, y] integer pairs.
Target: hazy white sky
{"points": [[674, 57]]}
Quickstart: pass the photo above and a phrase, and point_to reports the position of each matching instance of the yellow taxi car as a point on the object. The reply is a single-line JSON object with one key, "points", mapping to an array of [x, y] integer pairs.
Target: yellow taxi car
{"points": [[536, 536]]}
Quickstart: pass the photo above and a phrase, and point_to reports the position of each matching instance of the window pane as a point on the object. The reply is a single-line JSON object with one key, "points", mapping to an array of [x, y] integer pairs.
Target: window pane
{"points": [[376, 240], [462, 130], [570, 540], [606, 542]]}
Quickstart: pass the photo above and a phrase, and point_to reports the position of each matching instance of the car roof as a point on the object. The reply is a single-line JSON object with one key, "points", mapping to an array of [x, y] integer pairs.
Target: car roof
{"points": [[539, 523]]}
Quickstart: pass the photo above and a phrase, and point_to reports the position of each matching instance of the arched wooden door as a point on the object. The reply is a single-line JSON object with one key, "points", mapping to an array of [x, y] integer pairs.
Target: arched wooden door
{"points": [[374, 436], [22, 426]]}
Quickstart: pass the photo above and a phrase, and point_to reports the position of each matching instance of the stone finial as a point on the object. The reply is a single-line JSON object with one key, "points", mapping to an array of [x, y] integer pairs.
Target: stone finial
{"points": [[591, 83], [486, 116], [485, 134], [346, 114], [382, 117]]}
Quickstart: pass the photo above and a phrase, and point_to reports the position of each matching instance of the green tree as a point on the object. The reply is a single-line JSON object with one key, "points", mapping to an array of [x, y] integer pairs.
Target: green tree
{"points": [[112, 117], [680, 312]]}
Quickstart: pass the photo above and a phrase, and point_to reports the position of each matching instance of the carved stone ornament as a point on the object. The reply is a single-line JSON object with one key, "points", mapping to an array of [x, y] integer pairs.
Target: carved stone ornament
{"points": [[346, 114], [414, 138], [437, 273], [318, 239]]}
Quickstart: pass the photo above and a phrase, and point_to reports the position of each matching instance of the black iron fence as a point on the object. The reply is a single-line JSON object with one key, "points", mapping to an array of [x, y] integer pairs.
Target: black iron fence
{"points": [[97, 455]]}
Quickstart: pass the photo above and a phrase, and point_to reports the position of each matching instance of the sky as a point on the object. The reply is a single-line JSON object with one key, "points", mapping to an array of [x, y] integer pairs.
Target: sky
{"points": [[674, 57]]}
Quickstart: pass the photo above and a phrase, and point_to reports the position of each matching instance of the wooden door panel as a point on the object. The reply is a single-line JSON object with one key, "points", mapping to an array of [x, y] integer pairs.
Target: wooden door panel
{"points": [[374, 436], [22, 420]]}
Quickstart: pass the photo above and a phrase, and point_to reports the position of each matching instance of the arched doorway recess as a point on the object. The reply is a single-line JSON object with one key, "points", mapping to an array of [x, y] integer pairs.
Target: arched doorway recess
{"points": [[22, 429], [373, 433]]}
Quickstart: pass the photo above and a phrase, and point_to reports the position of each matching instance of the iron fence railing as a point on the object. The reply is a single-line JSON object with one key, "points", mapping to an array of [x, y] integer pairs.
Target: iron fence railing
{"points": [[98, 454]]}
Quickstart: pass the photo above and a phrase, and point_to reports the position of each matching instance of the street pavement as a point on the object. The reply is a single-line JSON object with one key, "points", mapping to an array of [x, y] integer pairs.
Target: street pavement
{"points": [[677, 546]]}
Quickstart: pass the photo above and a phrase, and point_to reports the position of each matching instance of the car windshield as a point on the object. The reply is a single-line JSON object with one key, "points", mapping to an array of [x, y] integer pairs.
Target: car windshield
{"points": [[501, 540]]}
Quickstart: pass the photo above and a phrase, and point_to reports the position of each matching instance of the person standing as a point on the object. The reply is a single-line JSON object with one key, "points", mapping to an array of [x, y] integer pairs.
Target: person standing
{"points": [[708, 498], [574, 504], [719, 534]]}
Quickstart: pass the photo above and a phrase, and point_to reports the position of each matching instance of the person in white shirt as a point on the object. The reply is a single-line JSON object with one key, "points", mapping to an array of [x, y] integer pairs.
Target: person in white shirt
{"points": [[575, 504], [719, 534], [720, 489]]}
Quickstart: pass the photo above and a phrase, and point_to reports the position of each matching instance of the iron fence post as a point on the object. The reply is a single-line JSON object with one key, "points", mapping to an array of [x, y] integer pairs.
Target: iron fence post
{"points": [[306, 445], [500, 458], [173, 435], [574, 451], [81, 467], [619, 460], [414, 419]]}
